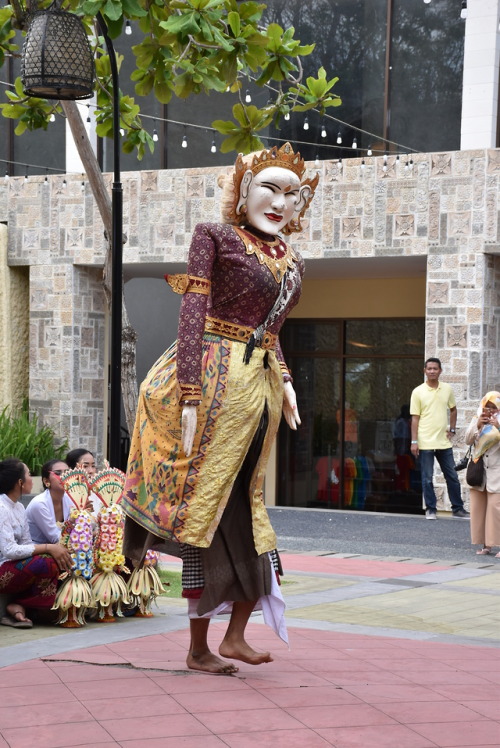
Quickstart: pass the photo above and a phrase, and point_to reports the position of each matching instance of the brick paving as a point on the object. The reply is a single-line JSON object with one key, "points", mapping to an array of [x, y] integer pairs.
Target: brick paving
{"points": [[384, 653]]}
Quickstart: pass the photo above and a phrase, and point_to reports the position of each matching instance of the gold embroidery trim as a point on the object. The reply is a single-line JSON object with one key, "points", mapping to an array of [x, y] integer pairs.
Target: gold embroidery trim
{"points": [[189, 392], [277, 264], [238, 332], [182, 283]]}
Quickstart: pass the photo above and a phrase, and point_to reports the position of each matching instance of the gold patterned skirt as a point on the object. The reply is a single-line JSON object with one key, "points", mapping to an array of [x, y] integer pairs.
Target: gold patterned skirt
{"points": [[183, 499]]}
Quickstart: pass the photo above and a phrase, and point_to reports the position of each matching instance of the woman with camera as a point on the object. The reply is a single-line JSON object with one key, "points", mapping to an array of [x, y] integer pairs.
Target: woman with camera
{"points": [[484, 434]]}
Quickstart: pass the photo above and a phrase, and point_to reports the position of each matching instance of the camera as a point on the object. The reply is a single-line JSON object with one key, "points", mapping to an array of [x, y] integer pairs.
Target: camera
{"points": [[462, 464]]}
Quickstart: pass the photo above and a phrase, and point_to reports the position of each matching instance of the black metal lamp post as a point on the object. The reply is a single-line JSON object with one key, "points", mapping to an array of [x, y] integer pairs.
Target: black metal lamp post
{"points": [[57, 63]]}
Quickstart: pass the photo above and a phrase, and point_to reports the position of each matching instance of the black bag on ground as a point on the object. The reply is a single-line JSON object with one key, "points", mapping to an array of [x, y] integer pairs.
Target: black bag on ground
{"points": [[475, 472], [462, 464]]}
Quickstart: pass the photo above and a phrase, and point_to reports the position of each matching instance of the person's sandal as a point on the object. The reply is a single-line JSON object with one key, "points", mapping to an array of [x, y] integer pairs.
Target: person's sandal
{"points": [[484, 551]]}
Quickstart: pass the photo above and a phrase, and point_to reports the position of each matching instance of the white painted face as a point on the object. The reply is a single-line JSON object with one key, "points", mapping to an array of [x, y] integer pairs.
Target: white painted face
{"points": [[272, 197]]}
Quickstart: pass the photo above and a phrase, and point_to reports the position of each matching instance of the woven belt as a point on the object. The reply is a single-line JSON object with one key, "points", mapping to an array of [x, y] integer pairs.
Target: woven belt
{"points": [[238, 332]]}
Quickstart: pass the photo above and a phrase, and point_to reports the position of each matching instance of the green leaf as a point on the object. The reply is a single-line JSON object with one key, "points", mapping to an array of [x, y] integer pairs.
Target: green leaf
{"points": [[112, 10], [162, 92], [132, 9], [183, 25], [233, 20], [224, 126]]}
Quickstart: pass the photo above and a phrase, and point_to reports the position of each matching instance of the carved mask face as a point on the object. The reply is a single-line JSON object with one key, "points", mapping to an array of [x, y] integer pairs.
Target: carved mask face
{"points": [[272, 197]]}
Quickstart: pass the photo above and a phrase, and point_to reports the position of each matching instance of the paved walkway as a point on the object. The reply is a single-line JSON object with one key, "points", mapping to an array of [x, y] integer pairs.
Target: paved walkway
{"points": [[385, 653]]}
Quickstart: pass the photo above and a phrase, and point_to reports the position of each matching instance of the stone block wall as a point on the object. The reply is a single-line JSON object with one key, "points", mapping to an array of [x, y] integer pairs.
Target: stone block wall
{"points": [[443, 206]]}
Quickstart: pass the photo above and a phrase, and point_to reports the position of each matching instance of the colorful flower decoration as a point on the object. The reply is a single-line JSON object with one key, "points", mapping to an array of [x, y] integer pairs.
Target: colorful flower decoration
{"points": [[145, 585], [109, 588], [74, 597]]}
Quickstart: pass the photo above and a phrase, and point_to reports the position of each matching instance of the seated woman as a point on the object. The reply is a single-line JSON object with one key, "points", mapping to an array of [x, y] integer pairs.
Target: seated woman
{"points": [[47, 511], [28, 571], [84, 459]]}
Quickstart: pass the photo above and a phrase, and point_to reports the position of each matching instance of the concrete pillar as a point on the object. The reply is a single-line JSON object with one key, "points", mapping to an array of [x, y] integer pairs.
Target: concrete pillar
{"points": [[14, 327], [481, 76]]}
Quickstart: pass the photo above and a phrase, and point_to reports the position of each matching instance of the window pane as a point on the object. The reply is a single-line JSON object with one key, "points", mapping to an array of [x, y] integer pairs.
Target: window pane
{"points": [[393, 337], [426, 76], [307, 337], [382, 475], [306, 454], [350, 39]]}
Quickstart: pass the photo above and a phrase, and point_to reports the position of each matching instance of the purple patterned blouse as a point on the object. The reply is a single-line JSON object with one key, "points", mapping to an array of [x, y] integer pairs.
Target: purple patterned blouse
{"points": [[242, 292]]}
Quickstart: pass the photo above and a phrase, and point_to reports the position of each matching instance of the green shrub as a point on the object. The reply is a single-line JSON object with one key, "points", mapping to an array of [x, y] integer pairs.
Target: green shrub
{"points": [[22, 436]]}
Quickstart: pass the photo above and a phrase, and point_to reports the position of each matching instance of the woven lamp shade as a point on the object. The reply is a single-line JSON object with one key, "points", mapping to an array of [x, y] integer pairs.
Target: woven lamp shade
{"points": [[57, 61]]}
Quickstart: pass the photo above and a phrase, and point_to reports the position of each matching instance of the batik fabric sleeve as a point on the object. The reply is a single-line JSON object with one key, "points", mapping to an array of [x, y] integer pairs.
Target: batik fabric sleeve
{"points": [[192, 317]]}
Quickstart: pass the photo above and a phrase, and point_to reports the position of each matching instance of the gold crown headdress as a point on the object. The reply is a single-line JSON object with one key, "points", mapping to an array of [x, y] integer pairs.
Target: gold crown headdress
{"points": [[283, 157]]}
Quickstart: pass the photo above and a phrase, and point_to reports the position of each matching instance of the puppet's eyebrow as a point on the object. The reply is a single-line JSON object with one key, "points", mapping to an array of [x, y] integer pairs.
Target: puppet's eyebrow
{"points": [[288, 187]]}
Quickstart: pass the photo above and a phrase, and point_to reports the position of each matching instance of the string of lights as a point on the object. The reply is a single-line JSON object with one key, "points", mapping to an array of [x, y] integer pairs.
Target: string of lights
{"points": [[337, 146]]}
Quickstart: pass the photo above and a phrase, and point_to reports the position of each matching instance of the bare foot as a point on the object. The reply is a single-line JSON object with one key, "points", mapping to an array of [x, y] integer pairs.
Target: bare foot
{"points": [[207, 662], [18, 613], [240, 650]]}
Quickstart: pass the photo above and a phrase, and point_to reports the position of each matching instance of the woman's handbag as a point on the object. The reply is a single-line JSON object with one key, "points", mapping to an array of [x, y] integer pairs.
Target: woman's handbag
{"points": [[462, 464], [475, 473]]}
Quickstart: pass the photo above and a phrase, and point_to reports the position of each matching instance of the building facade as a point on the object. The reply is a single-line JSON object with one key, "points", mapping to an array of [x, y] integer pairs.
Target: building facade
{"points": [[402, 262]]}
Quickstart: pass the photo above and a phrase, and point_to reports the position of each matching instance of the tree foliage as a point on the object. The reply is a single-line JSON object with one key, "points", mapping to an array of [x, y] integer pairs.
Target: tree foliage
{"points": [[188, 47]]}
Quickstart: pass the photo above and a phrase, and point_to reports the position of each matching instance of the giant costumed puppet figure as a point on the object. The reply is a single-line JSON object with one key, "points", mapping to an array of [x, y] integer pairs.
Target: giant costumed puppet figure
{"points": [[210, 408]]}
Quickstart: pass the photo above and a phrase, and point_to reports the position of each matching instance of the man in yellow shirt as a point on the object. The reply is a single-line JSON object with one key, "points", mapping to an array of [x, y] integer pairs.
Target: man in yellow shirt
{"points": [[430, 437]]}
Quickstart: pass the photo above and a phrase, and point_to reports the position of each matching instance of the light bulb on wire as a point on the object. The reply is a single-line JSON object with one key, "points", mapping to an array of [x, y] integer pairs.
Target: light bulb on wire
{"points": [[286, 116], [463, 11], [369, 152], [316, 161], [339, 138], [128, 28], [323, 131], [306, 124], [213, 147], [248, 97], [155, 135], [52, 117], [184, 143], [354, 143]]}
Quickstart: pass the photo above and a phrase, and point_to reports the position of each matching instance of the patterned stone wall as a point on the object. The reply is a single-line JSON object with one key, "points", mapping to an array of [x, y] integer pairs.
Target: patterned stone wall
{"points": [[443, 206]]}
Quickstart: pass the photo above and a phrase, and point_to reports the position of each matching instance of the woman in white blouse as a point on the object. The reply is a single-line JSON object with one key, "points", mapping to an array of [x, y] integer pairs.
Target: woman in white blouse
{"points": [[47, 511], [28, 571]]}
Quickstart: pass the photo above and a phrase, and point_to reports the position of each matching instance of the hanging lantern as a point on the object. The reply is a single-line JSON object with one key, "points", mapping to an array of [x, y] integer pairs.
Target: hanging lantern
{"points": [[57, 61]]}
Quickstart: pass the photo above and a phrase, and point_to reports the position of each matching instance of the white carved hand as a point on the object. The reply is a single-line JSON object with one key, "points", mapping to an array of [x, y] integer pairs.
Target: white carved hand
{"points": [[290, 407], [189, 421]]}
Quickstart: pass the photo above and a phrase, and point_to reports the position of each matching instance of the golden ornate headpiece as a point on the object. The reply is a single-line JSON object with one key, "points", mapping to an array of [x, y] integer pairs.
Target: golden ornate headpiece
{"points": [[283, 157]]}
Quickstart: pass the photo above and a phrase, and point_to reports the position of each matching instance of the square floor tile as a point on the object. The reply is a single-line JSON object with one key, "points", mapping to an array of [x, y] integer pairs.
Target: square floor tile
{"points": [[137, 728], [147, 706], [446, 734], [43, 714], [52, 736], [344, 715], [252, 720], [232, 700], [25, 695], [300, 738], [385, 736], [427, 711]]}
